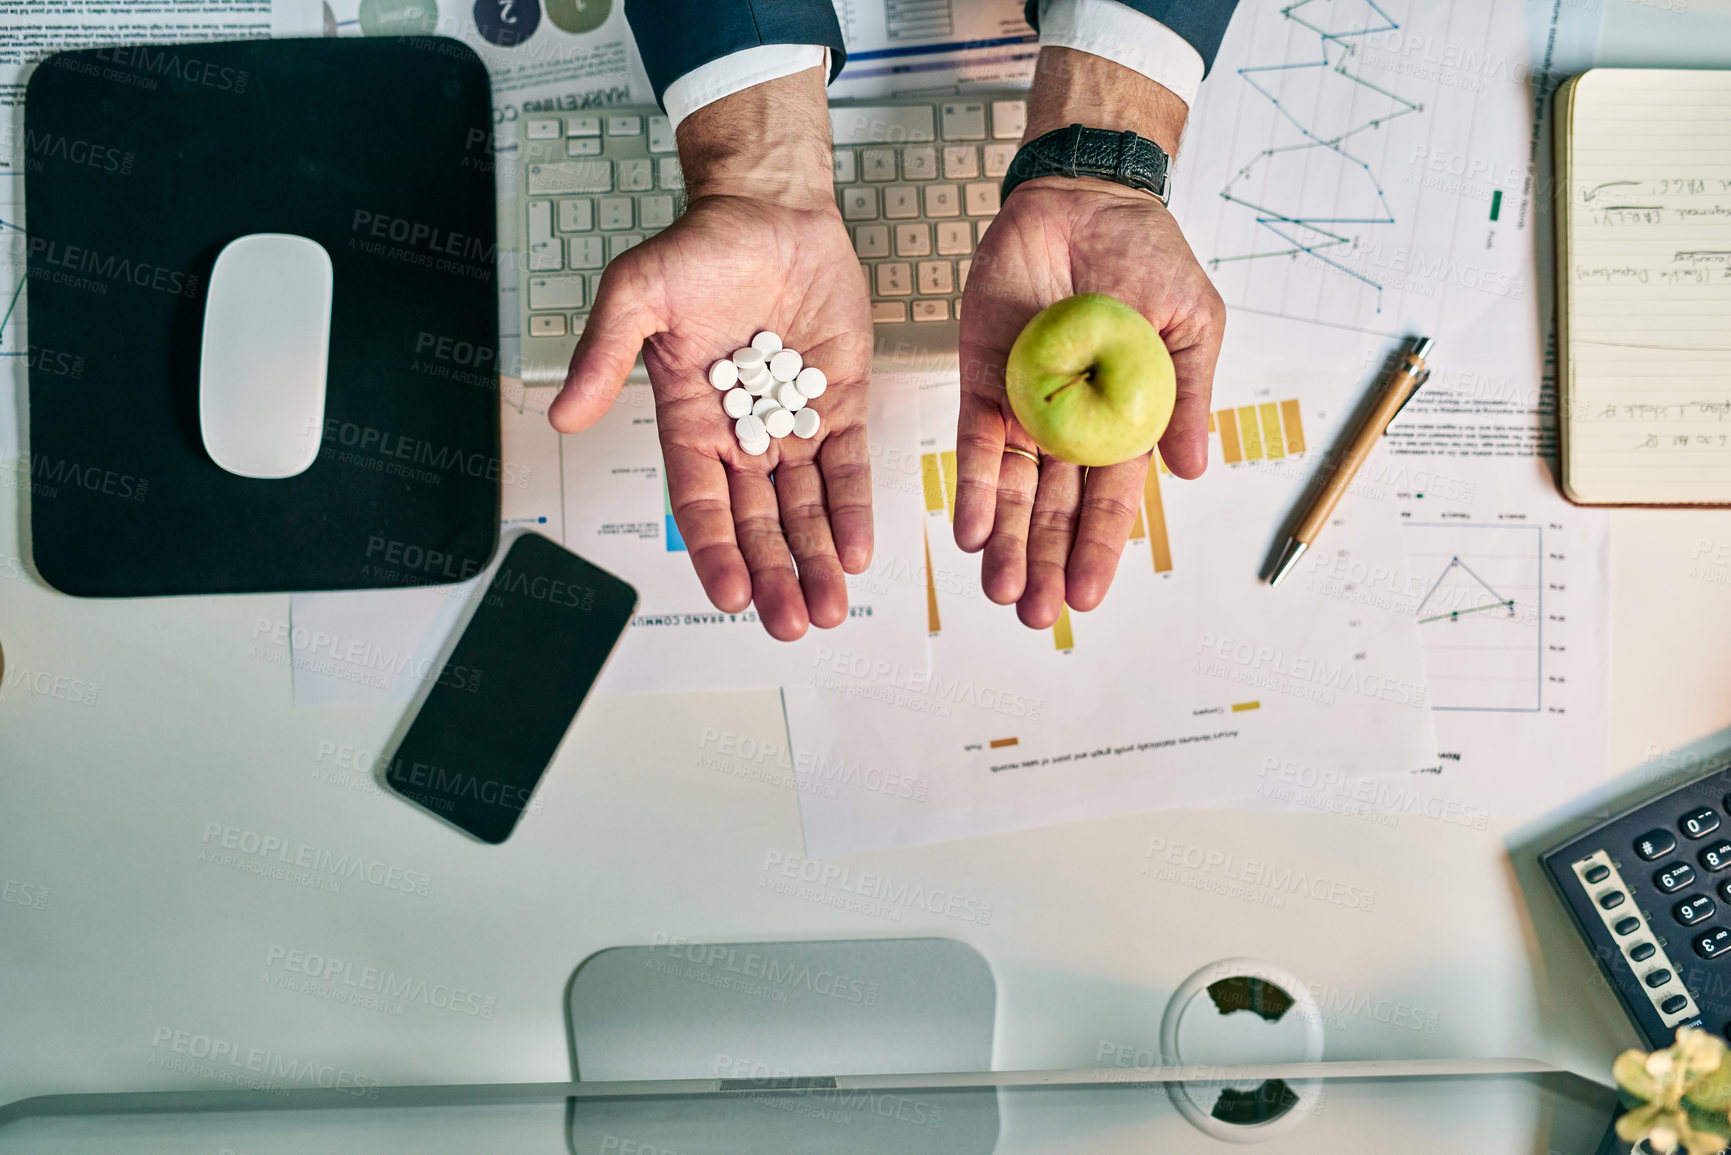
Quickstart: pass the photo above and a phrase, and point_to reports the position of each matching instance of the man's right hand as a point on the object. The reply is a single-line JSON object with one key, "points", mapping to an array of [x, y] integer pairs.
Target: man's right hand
{"points": [[761, 245]]}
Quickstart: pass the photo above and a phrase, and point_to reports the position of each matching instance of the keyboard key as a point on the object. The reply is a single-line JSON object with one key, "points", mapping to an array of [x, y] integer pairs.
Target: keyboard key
{"points": [[1674, 877], [636, 175], [982, 199], [625, 126], [556, 292], [1699, 823], [576, 215], [844, 166], [1717, 856], [998, 158], [1655, 844], [615, 212], [859, 204], [541, 128], [1696, 908], [935, 278], [961, 162], [550, 325], [920, 162], [1713, 943], [895, 279], [1657, 978], [1628, 925], [955, 238], [962, 268], [914, 240], [889, 312], [879, 124], [1642, 951], [661, 137], [931, 310], [544, 247], [594, 287], [583, 146], [619, 242], [941, 201], [980, 227], [587, 124], [879, 163], [964, 120], [586, 252], [571, 176], [871, 240], [1598, 874], [901, 201], [1009, 119], [1613, 899], [669, 175], [655, 212]]}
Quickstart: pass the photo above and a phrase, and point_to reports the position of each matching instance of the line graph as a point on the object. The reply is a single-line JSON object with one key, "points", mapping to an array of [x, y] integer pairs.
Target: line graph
{"points": [[1479, 619], [1497, 602]]}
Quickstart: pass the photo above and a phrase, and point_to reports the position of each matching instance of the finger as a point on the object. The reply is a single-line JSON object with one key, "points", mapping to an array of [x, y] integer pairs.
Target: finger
{"points": [[619, 324], [1051, 530], [847, 479], [774, 584], [1004, 566], [1184, 445], [799, 487], [702, 508], [1110, 499], [979, 450]]}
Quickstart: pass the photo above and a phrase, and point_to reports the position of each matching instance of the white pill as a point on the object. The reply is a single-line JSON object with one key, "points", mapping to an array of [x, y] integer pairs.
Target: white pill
{"points": [[763, 405], [755, 448], [757, 386], [811, 381], [766, 343], [736, 403], [788, 396], [749, 429], [805, 423], [723, 374], [778, 421], [747, 357], [784, 366]]}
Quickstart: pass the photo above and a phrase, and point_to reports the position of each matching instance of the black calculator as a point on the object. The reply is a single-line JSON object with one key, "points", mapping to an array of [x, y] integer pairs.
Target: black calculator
{"points": [[1650, 890]]}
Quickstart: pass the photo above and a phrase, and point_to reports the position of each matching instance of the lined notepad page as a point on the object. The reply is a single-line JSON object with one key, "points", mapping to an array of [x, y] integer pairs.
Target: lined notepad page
{"points": [[1647, 257]]}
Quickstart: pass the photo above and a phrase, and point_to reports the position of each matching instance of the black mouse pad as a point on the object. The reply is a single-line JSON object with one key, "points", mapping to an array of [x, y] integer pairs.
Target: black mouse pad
{"points": [[141, 164]]}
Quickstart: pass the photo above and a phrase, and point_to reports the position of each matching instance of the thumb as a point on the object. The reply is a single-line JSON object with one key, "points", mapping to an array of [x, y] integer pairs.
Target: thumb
{"points": [[617, 327], [1184, 445]]}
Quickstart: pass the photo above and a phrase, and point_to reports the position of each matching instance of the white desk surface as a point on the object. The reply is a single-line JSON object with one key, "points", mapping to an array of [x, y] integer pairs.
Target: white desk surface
{"points": [[105, 807]]}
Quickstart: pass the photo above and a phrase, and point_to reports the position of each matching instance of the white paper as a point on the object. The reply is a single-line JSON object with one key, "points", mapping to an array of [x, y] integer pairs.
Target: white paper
{"points": [[898, 46]]}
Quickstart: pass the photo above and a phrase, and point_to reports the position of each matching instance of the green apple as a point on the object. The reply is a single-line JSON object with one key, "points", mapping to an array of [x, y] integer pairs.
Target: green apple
{"points": [[1091, 381]]}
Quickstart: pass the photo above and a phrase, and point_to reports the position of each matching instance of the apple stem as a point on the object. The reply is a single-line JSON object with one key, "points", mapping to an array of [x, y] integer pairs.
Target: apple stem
{"points": [[1076, 380]]}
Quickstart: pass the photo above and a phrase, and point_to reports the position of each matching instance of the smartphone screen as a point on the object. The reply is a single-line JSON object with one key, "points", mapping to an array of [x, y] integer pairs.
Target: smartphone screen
{"points": [[505, 697]]}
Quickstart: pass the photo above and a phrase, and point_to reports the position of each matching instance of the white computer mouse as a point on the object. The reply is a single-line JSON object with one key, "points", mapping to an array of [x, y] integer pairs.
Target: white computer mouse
{"points": [[261, 375]]}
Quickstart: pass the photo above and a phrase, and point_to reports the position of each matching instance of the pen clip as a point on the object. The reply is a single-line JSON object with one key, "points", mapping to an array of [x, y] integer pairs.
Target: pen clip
{"points": [[1417, 383]]}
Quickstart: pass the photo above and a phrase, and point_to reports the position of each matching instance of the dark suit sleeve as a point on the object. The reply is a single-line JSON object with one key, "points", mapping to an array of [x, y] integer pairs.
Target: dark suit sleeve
{"points": [[1201, 22], [676, 36]]}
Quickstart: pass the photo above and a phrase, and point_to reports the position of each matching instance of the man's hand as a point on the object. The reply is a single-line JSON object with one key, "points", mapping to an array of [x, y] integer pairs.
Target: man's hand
{"points": [[760, 246], [1053, 534]]}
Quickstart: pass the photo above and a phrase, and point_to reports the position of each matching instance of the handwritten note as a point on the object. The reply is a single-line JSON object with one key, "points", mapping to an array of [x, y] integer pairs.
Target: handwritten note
{"points": [[1646, 266]]}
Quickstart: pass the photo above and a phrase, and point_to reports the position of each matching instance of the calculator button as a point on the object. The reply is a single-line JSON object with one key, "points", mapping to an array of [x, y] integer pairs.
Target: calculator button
{"points": [[1674, 1004], [1699, 823], [1642, 951], [1657, 978], [1598, 874], [1696, 908], [1674, 877], [1713, 943], [1628, 925], [1613, 900], [1654, 844], [1717, 856]]}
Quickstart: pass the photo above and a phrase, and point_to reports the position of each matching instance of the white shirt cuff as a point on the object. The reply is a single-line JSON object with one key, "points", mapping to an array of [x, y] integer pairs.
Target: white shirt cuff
{"points": [[737, 71], [1125, 36]]}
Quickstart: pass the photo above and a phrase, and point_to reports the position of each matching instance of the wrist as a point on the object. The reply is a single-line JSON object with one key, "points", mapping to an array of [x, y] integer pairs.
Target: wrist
{"points": [[1072, 87], [769, 142]]}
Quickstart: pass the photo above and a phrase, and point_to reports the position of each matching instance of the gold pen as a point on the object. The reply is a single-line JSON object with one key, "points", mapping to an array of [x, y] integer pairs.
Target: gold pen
{"points": [[1396, 390]]}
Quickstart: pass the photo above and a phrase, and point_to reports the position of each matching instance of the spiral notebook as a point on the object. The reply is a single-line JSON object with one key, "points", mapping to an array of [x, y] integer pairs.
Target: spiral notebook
{"points": [[1644, 286]]}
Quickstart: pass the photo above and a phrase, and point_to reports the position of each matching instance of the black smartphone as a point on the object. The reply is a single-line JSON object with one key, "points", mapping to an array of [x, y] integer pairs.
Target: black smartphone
{"points": [[509, 690]]}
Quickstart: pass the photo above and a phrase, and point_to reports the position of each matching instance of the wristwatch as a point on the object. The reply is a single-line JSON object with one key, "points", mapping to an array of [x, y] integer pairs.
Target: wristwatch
{"points": [[1122, 157]]}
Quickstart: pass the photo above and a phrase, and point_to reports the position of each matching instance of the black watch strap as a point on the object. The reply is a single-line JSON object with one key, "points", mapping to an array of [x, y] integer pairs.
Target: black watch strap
{"points": [[1122, 157]]}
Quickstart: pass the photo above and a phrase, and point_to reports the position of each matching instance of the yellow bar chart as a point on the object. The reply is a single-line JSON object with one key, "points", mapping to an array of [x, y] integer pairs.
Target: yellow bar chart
{"points": [[1268, 431]]}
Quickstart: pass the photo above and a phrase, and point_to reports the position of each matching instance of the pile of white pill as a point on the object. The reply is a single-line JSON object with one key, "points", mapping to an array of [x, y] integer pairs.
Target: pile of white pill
{"points": [[764, 389]]}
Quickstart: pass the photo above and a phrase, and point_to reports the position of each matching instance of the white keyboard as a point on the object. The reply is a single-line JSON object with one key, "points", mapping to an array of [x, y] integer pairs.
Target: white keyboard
{"points": [[916, 181]]}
